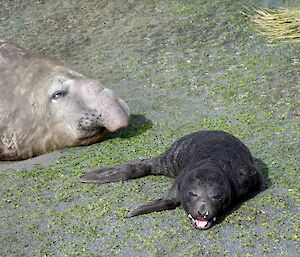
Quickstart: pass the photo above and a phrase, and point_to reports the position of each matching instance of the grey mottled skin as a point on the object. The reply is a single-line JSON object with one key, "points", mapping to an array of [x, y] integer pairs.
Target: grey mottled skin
{"points": [[45, 106], [212, 170]]}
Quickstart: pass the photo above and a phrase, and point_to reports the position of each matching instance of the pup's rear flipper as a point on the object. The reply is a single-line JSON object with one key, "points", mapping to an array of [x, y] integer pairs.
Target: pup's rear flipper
{"points": [[128, 170], [158, 205], [170, 201]]}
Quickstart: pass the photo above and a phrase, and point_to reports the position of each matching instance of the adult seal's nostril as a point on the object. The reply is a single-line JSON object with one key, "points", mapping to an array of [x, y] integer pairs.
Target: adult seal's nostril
{"points": [[115, 112]]}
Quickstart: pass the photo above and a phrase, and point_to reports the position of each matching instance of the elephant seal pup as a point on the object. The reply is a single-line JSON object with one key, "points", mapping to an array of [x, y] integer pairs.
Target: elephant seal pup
{"points": [[212, 170], [46, 106]]}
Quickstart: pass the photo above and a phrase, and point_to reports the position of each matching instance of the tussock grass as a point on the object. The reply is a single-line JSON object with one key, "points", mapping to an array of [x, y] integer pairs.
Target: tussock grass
{"points": [[282, 25]]}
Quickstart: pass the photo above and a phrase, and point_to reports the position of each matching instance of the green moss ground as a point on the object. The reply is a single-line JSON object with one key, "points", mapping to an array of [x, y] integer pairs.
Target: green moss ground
{"points": [[181, 66]]}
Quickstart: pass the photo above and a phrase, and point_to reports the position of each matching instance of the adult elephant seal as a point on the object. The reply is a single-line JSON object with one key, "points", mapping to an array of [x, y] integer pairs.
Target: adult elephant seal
{"points": [[212, 170], [45, 106]]}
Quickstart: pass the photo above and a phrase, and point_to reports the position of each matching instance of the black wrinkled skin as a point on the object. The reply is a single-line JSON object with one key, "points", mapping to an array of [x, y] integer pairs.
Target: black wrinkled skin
{"points": [[212, 170]]}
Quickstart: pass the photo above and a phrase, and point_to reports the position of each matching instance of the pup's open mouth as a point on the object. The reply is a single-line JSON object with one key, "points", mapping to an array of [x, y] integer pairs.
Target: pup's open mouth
{"points": [[201, 223]]}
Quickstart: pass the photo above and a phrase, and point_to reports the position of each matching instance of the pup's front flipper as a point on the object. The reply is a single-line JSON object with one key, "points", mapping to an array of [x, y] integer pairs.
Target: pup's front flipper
{"points": [[128, 170], [170, 201]]}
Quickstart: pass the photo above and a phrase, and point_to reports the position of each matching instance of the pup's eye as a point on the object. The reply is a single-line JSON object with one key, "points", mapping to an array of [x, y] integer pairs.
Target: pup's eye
{"points": [[192, 194], [217, 197], [58, 95]]}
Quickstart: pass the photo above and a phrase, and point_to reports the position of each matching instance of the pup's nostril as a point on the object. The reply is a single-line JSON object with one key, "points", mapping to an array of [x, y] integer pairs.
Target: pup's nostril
{"points": [[205, 215], [203, 210]]}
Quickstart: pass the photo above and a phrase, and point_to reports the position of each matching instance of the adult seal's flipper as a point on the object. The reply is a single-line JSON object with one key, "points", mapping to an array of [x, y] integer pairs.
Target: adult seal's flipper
{"points": [[128, 170]]}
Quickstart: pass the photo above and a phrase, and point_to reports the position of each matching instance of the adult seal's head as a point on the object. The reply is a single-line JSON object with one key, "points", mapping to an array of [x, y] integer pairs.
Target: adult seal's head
{"points": [[45, 106]]}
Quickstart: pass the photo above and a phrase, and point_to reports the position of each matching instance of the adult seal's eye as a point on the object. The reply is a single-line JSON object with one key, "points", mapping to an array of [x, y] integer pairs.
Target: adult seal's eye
{"points": [[58, 95]]}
